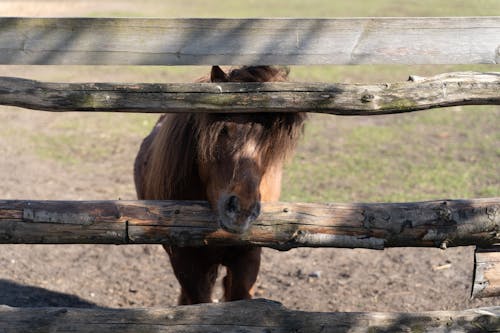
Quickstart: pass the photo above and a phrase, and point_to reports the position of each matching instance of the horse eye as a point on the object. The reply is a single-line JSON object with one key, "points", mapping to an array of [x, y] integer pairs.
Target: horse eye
{"points": [[224, 131]]}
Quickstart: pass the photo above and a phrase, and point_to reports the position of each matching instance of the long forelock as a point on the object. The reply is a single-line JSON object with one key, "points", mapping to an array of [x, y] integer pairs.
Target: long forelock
{"points": [[271, 136], [186, 139]]}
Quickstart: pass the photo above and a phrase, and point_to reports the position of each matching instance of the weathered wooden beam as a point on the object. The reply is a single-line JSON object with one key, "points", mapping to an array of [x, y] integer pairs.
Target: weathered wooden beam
{"points": [[282, 226], [463, 88], [251, 316], [137, 41], [487, 273]]}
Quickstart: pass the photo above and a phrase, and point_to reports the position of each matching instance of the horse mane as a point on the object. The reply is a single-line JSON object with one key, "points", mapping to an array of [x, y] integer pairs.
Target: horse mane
{"points": [[183, 140]]}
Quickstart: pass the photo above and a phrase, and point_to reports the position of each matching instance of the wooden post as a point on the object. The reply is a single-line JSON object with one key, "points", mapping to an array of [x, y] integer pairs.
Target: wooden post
{"points": [[487, 273], [252, 316], [283, 226]]}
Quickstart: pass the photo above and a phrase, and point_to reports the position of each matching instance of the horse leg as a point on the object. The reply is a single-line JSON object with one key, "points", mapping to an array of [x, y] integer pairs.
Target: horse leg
{"points": [[196, 270], [242, 270]]}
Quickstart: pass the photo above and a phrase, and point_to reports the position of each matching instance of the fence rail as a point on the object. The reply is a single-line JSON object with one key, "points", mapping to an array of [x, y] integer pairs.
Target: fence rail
{"points": [[255, 316], [419, 93], [281, 225], [134, 41]]}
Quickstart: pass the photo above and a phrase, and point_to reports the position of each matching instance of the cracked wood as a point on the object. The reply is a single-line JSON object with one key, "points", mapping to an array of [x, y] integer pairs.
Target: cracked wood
{"points": [[419, 93], [137, 41], [441, 223]]}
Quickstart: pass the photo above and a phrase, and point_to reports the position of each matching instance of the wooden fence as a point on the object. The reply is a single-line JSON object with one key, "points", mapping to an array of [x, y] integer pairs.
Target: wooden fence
{"points": [[444, 223]]}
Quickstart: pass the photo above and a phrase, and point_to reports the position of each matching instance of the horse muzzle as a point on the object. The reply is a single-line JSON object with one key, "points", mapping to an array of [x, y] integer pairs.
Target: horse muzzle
{"points": [[234, 217]]}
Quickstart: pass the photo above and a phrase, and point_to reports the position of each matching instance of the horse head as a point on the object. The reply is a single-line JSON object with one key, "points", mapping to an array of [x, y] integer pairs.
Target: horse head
{"points": [[236, 149]]}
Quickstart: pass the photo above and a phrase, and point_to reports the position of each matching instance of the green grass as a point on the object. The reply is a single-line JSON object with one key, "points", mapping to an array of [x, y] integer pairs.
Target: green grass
{"points": [[299, 8], [376, 73], [427, 155], [69, 139]]}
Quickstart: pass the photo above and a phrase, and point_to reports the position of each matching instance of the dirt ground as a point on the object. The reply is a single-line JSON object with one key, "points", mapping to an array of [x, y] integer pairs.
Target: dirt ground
{"points": [[140, 276]]}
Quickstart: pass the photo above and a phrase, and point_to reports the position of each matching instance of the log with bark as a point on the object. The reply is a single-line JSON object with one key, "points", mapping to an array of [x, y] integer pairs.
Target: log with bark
{"points": [[283, 226], [418, 93]]}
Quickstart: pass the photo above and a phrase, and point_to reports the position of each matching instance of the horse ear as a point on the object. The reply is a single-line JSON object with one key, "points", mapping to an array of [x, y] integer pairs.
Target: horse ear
{"points": [[218, 75]]}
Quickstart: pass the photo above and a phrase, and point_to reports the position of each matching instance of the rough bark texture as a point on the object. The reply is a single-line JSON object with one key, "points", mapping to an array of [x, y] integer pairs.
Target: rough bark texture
{"points": [[280, 225], [487, 273], [126, 41], [418, 93], [243, 316]]}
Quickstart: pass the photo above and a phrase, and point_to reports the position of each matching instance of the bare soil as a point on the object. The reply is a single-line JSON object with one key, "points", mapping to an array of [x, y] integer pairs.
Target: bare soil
{"points": [[139, 276]]}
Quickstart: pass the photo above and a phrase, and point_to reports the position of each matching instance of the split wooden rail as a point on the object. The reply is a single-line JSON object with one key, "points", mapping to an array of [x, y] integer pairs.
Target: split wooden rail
{"points": [[282, 226], [93, 41]]}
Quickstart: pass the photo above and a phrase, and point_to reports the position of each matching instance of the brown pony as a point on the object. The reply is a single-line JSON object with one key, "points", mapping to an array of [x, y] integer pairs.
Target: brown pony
{"points": [[232, 160]]}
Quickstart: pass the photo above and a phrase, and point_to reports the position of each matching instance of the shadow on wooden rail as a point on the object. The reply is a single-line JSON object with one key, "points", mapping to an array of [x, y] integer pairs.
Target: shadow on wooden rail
{"points": [[251, 316], [138, 41]]}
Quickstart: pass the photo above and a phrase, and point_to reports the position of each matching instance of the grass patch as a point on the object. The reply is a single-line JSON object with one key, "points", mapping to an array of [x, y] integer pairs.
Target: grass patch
{"points": [[427, 155], [298, 8], [376, 73], [69, 139]]}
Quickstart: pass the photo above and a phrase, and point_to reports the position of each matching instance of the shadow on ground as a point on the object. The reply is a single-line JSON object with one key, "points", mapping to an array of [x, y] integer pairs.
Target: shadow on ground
{"points": [[18, 295]]}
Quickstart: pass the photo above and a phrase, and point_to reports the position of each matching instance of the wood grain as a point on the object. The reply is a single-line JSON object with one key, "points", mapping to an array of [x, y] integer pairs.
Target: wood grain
{"points": [[419, 93], [282, 226], [137, 41], [251, 316]]}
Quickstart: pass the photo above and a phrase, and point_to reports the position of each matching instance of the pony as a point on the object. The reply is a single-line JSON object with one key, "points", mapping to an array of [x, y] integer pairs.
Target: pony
{"points": [[232, 160]]}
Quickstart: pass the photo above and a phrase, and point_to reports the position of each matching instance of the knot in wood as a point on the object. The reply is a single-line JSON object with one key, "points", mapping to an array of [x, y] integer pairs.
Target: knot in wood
{"points": [[444, 214], [491, 212], [367, 97]]}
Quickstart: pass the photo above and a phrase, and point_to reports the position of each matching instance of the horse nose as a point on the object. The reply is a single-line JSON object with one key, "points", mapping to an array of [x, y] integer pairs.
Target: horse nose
{"points": [[233, 208], [235, 216]]}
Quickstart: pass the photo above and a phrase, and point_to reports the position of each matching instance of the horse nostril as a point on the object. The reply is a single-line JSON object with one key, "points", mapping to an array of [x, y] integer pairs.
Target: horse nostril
{"points": [[233, 204], [256, 209]]}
